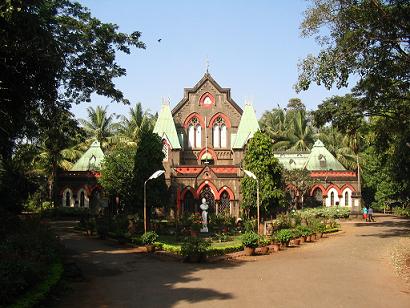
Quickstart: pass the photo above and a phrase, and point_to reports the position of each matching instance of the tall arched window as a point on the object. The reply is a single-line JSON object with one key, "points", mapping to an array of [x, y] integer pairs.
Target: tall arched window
{"points": [[224, 204], [317, 194], [67, 198], [165, 149], [82, 199], [219, 133], [332, 198], [194, 133], [346, 198]]}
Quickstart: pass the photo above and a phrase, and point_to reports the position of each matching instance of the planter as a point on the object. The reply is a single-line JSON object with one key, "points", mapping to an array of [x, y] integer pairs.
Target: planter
{"points": [[308, 238], [194, 233], [313, 237], [302, 239], [249, 251], [150, 248], [319, 235], [264, 250], [275, 247], [295, 242]]}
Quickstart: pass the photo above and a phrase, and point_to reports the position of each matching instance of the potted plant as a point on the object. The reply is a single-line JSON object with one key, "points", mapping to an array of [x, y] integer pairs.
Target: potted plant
{"points": [[148, 239], [196, 224], [283, 236], [296, 234], [319, 228], [305, 232], [264, 244], [194, 249], [250, 241]]}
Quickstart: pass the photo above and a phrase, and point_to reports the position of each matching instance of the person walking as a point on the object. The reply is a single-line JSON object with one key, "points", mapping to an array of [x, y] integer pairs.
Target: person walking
{"points": [[365, 213], [370, 214]]}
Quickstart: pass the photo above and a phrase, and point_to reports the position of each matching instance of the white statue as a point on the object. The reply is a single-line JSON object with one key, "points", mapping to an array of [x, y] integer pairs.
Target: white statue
{"points": [[204, 208]]}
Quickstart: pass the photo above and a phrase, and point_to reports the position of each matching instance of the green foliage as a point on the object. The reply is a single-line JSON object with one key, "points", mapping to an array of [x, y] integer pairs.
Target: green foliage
{"points": [[264, 241], [222, 250], [302, 181], [117, 175], [249, 225], [283, 236], [304, 230], [195, 221], [260, 160], [192, 246], [149, 237], [402, 211], [42, 289], [27, 248], [250, 239]]}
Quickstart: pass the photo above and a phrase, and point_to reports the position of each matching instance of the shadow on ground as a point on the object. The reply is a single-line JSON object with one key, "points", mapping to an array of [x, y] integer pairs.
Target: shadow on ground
{"points": [[390, 228], [117, 275]]}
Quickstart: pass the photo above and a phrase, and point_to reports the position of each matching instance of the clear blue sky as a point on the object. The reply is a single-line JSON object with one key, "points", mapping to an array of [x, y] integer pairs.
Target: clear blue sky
{"points": [[253, 47]]}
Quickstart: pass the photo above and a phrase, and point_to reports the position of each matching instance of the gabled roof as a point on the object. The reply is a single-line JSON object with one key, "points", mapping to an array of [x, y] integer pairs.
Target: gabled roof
{"points": [[91, 159], [247, 127], [207, 77], [321, 159], [165, 127], [291, 160]]}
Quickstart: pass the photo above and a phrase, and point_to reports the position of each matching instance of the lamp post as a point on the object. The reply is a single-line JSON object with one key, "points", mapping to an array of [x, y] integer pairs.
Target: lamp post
{"points": [[153, 176], [253, 176]]}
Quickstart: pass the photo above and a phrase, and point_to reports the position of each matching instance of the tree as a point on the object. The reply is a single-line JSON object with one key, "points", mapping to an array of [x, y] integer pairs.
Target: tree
{"points": [[301, 182], [53, 53], [99, 125], [260, 160], [368, 39], [117, 175], [296, 104]]}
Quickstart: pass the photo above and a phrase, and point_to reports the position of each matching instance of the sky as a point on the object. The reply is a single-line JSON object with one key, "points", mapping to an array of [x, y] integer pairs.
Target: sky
{"points": [[252, 47]]}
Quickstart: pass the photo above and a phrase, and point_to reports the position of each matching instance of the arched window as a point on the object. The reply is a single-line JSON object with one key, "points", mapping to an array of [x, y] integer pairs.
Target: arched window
{"points": [[317, 194], [194, 133], [82, 199], [219, 133], [67, 198], [346, 198], [224, 204], [189, 203], [332, 198], [165, 149]]}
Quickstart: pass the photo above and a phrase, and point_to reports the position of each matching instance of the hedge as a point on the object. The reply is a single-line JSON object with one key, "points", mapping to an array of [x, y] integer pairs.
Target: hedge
{"points": [[41, 290]]}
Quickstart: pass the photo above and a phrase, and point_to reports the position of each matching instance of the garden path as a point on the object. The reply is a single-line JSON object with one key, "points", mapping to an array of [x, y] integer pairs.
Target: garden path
{"points": [[351, 269]]}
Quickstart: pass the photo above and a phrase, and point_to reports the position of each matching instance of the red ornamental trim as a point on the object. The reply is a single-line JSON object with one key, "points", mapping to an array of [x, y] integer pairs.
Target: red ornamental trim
{"points": [[223, 116], [210, 151], [202, 100], [188, 170], [192, 115], [211, 185], [228, 190], [333, 174], [225, 169], [320, 186], [186, 189]]}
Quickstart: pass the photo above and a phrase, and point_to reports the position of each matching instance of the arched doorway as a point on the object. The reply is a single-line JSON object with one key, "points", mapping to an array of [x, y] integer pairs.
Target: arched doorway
{"points": [[210, 198]]}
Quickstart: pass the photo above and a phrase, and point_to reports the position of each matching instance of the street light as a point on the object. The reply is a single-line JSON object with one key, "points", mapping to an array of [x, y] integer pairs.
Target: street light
{"points": [[253, 176], [153, 176]]}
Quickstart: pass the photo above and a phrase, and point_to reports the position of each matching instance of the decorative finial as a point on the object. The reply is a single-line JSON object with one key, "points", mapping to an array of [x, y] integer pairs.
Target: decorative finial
{"points": [[207, 65]]}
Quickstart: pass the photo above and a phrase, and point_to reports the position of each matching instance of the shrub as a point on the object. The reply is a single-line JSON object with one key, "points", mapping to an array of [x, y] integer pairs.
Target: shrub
{"points": [[283, 221], [304, 230], [402, 212], [283, 236], [194, 246], [196, 222], [264, 241], [296, 232], [250, 239], [221, 250], [149, 238], [249, 225]]}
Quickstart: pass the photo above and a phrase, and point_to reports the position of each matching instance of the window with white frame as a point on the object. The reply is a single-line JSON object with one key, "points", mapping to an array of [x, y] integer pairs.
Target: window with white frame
{"points": [[219, 133], [194, 133]]}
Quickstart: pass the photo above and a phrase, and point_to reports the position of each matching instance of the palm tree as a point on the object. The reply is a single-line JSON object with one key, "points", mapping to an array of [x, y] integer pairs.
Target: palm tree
{"points": [[274, 122], [298, 134], [99, 126], [129, 128]]}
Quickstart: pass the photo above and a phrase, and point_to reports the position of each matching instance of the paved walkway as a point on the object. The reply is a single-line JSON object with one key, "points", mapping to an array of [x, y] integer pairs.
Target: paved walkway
{"points": [[351, 269]]}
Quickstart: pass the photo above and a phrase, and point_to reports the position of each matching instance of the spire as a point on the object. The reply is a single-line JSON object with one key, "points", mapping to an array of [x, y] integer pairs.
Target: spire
{"points": [[165, 126], [91, 159], [247, 126], [321, 159]]}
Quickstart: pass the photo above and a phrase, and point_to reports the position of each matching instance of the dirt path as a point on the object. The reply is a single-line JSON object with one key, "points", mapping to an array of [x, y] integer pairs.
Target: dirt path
{"points": [[352, 269]]}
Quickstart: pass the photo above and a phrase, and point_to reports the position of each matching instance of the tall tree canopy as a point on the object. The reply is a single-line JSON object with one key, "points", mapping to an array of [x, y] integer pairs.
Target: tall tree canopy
{"points": [[260, 160], [367, 39]]}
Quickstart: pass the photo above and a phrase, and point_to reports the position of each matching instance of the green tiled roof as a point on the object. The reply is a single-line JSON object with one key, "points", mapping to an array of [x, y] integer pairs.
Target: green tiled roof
{"points": [[247, 127], [165, 127], [91, 159], [321, 159], [292, 161]]}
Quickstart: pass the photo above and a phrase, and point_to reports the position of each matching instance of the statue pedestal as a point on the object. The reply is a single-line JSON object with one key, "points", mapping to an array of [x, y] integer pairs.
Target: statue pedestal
{"points": [[204, 230]]}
